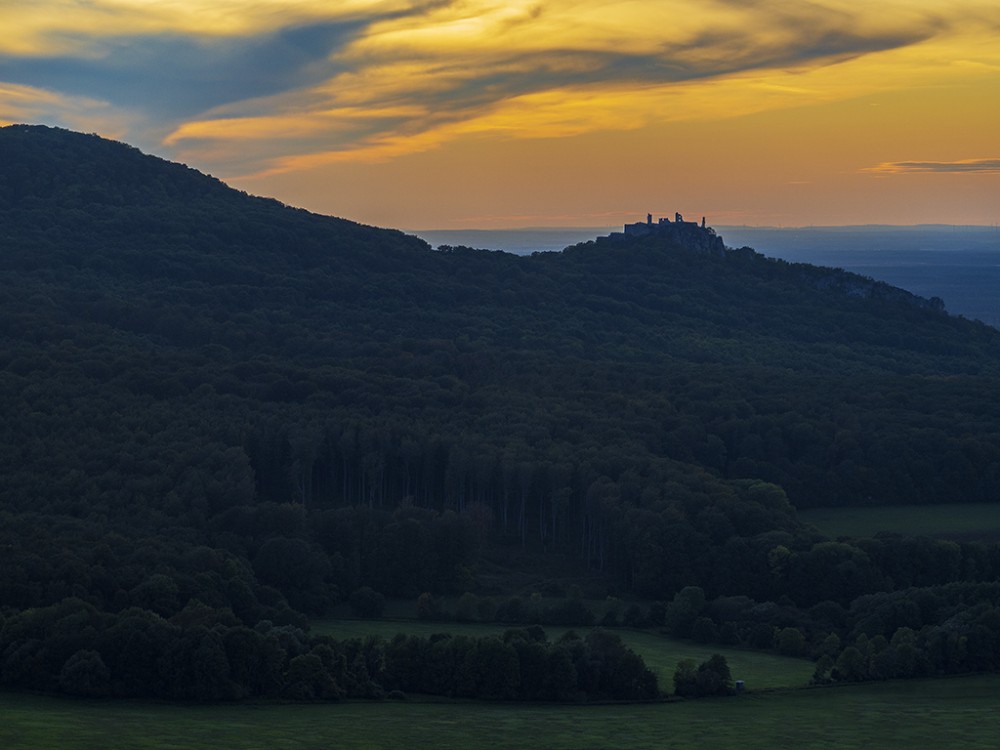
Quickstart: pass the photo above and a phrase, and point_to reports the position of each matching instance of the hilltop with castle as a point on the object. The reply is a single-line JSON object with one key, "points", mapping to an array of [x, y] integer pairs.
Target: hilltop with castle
{"points": [[686, 233]]}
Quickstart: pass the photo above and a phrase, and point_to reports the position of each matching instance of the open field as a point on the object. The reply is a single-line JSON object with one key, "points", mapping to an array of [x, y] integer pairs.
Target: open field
{"points": [[759, 670], [961, 522], [941, 713]]}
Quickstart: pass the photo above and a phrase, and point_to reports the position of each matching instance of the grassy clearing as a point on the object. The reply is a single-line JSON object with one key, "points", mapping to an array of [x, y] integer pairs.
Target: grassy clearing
{"points": [[759, 670], [962, 522], [942, 713]]}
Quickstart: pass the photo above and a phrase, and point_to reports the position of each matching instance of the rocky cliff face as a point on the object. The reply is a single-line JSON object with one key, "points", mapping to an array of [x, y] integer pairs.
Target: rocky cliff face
{"points": [[686, 234]]}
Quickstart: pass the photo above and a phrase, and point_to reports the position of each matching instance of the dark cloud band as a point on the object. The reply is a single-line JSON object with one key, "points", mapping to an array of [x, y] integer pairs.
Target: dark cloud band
{"points": [[937, 167], [181, 76]]}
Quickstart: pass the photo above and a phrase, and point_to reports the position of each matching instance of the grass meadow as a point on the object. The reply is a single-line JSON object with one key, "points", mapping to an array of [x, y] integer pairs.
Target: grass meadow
{"points": [[961, 522], [759, 670], [934, 713]]}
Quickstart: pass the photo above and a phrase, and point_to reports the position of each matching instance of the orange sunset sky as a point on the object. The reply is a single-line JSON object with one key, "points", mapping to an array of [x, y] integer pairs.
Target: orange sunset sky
{"points": [[425, 114]]}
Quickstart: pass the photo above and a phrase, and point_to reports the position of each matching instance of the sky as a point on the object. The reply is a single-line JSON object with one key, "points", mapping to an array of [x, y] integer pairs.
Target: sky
{"points": [[449, 114]]}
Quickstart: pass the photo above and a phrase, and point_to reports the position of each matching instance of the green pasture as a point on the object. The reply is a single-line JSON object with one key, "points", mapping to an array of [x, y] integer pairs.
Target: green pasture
{"points": [[944, 714], [962, 522], [759, 670]]}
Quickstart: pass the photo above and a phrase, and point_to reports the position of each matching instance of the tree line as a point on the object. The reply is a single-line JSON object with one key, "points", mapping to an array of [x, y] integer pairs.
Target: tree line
{"points": [[207, 654]]}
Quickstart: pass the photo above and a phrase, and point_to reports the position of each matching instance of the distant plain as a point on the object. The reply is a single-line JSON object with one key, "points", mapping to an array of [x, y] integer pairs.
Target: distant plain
{"points": [[964, 522]]}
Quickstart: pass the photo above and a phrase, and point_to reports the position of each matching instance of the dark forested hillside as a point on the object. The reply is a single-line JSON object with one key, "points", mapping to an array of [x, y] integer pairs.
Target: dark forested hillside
{"points": [[210, 397]]}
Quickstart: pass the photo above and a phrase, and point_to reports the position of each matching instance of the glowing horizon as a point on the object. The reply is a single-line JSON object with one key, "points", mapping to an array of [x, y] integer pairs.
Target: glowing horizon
{"points": [[484, 114]]}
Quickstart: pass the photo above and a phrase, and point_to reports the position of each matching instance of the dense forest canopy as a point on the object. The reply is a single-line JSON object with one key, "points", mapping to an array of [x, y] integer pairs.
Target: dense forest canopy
{"points": [[214, 397]]}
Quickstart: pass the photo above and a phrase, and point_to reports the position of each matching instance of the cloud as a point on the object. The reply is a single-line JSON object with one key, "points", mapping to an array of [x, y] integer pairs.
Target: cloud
{"points": [[473, 67], [264, 85], [20, 104], [180, 76], [76, 27], [964, 166]]}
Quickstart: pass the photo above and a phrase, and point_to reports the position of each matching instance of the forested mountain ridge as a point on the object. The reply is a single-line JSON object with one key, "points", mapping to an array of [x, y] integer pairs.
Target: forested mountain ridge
{"points": [[214, 399]]}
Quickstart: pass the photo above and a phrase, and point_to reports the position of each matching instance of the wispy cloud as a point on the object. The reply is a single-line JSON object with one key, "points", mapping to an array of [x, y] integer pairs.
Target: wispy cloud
{"points": [[267, 85], [77, 27], [522, 69], [964, 166], [20, 103]]}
